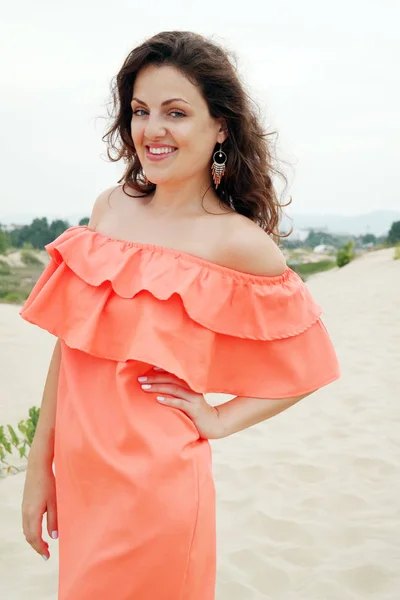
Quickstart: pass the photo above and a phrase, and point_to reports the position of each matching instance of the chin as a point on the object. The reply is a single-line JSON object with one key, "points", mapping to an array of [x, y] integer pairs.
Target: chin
{"points": [[159, 178]]}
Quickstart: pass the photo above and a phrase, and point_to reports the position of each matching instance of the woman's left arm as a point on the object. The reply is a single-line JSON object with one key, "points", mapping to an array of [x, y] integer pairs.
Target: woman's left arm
{"points": [[241, 412]]}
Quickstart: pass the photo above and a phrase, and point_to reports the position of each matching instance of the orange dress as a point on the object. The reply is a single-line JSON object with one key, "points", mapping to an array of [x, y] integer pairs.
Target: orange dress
{"points": [[135, 492]]}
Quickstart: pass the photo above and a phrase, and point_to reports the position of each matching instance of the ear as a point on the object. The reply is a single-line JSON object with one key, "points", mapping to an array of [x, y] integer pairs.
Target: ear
{"points": [[223, 131]]}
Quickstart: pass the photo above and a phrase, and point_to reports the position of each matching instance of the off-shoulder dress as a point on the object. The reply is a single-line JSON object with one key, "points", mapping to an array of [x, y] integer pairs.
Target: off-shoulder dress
{"points": [[135, 491]]}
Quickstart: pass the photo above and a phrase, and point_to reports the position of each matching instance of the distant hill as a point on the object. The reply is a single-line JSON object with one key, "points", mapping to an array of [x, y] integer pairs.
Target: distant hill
{"points": [[377, 222]]}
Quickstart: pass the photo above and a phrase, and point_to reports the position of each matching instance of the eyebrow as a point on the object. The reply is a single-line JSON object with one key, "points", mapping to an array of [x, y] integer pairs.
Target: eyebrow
{"points": [[165, 103]]}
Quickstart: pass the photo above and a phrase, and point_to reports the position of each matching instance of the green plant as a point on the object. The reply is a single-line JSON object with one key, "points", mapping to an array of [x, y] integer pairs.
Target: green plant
{"points": [[307, 269], [396, 255], [4, 267], [10, 441], [28, 258], [14, 297], [345, 255], [16, 285], [3, 241], [394, 233], [27, 246]]}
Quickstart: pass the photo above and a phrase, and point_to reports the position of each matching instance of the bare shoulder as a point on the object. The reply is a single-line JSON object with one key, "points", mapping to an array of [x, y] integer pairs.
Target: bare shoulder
{"points": [[112, 198], [248, 248], [100, 206]]}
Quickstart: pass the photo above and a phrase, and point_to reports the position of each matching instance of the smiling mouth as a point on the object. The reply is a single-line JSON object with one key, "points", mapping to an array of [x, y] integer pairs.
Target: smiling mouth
{"points": [[165, 150]]}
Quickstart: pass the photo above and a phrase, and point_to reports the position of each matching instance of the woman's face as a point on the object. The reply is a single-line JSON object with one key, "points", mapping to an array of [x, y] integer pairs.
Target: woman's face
{"points": [[172, 130]]}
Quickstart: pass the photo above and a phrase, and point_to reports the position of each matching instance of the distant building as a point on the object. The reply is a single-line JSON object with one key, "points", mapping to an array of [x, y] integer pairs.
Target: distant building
{"points": [[324, 249]]}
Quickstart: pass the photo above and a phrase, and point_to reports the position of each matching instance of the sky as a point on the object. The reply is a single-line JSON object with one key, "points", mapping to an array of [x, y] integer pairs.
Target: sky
{"points": [[325, 75]]}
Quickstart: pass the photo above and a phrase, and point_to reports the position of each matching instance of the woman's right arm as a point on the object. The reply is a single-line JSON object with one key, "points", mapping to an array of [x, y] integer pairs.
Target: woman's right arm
{"points": [[40, 485], [40, 489]]}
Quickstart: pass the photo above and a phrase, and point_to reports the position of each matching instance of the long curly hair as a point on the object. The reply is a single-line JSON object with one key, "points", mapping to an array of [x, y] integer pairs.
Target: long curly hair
{"points": [[247, 185]]}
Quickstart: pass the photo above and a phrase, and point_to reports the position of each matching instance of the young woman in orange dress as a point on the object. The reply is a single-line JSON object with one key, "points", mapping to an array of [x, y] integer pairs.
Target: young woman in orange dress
{"points": [[176, 288]]}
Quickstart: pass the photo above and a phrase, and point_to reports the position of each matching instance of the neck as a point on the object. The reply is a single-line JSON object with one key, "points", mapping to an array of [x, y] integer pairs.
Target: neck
{"points": [[184, 196]]}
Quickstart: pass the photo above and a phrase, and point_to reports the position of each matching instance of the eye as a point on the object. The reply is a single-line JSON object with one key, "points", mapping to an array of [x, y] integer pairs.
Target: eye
{"points": [[177, 114], [139, 110]]}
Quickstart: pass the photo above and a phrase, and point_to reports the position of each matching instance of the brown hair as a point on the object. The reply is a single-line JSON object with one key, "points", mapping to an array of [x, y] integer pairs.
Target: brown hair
{"points": [[247, 185]]}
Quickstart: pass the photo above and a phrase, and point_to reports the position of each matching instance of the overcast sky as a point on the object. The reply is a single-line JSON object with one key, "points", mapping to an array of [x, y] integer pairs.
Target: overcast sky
{"points": [[325, 74]]}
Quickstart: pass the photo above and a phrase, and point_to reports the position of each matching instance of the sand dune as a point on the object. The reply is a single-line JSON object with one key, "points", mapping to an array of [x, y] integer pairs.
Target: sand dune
{"points": [[308, 501], [14, 259]]}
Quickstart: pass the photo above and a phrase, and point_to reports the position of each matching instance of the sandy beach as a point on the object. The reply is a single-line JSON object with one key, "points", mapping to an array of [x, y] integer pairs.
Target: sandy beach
{"points": [[308, 503]]}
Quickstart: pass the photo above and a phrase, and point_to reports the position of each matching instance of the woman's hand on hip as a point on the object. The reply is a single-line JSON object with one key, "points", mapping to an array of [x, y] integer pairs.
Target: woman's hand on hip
{"points": [[174, 392]]}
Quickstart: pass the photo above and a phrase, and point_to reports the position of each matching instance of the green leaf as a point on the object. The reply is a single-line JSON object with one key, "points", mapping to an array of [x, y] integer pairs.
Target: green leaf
{"points": [[22, 427], [6, 444], [14, 438]]}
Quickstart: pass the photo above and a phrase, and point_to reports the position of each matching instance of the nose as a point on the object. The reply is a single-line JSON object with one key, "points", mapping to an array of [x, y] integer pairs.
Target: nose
{"points": [[154, 128]]}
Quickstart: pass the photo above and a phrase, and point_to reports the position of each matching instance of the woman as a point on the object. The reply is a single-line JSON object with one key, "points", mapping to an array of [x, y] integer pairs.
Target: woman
{"points": [[176, 288]]}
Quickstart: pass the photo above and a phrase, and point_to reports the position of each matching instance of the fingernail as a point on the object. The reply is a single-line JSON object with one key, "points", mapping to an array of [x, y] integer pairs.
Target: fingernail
{"points": [[54, 534], [158, 369], [45, 557], [161, 398], [142, 378], [146, 387]]}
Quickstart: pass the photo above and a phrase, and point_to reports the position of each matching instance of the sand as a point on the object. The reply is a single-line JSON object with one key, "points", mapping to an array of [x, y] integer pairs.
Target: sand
{"points": [[308, 503]]}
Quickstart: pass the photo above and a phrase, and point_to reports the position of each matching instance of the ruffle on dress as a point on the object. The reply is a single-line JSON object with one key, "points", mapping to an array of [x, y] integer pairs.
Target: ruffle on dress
{"points": [[218, 329]]}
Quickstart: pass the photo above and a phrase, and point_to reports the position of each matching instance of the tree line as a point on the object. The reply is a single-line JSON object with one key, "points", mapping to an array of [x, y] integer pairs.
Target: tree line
{"points": [[40, 232], [36, 235], [316, 238]]}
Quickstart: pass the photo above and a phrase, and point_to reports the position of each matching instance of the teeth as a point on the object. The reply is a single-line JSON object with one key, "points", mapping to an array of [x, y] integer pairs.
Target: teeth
{"points": [[160, 150]]}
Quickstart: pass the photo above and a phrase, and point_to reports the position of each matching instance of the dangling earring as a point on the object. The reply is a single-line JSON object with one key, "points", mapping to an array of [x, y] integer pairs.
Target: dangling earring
{"points": [[218, 166]]}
